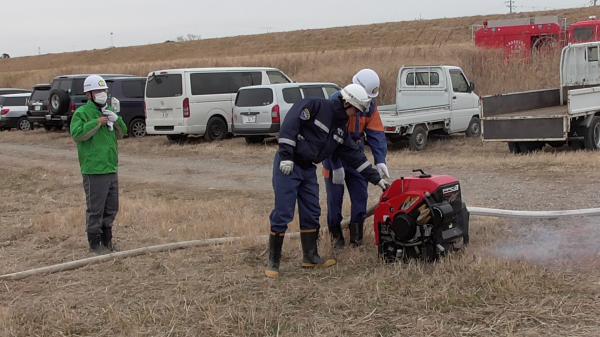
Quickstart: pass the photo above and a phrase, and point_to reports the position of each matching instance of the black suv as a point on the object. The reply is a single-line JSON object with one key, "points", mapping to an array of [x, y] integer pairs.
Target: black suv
{"points": [[66, 95], [130, 93], [37, 106]]}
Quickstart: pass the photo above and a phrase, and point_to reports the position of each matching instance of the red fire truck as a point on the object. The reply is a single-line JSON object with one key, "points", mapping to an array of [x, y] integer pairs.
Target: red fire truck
{"points": [[526, 36]]}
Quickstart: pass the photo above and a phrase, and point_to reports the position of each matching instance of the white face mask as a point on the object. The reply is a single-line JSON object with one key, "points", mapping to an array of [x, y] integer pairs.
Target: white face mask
{"points": [[101, 98]]}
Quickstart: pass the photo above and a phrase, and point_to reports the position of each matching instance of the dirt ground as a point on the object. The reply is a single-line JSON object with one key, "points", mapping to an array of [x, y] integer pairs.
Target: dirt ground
{"points": [[517, 278]]}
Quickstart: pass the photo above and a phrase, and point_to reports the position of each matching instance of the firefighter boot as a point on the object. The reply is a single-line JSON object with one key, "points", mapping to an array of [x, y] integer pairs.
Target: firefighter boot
{"points": [[107, 239], [337, 237], [311, 258], [96, 246], [275, 244], [356, 234]]}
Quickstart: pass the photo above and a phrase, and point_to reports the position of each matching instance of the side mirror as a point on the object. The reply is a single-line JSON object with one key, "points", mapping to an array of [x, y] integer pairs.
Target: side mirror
{"points": [[472, 87], [115, 104]]}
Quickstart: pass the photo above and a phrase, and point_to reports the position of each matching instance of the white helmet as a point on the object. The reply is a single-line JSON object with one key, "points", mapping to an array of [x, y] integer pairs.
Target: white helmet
{"points": [[94, 82], [369, 80], [355, 95]]}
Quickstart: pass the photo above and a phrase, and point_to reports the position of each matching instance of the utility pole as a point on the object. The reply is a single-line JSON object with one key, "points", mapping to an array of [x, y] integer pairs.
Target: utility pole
{"points": [[511, 5], [112, 44], [594, 2]]}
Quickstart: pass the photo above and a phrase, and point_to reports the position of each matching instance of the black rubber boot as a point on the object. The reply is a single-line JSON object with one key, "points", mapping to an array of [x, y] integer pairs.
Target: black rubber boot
{"points": [[311, 258], [96, 246], [275, 244], [337, 237], [356, 234], [107, 239]]}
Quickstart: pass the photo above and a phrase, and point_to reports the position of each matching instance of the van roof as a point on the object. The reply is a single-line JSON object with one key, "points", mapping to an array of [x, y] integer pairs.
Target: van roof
{"points": [[86, 75], [289, 85], [181, 70]]}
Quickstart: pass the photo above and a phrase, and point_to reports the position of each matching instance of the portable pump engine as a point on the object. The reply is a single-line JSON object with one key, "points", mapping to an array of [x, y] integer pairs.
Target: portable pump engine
{"points": [[421, 217]]}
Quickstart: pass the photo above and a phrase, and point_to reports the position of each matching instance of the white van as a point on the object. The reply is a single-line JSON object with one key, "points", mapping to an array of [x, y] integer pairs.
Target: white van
{"points": [[259, 110], [199, 101]]}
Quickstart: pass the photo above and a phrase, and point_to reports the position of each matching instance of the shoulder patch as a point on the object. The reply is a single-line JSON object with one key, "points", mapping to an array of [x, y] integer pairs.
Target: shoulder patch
{"points": [[305, 114]]}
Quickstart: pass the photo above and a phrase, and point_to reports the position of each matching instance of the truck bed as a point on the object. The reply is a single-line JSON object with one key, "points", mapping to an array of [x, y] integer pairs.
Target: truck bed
{"points": [[557, 111]]}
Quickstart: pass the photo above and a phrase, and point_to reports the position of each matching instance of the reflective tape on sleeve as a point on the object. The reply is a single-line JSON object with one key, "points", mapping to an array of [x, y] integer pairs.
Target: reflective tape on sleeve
{"points": [[363, 166], [321, 126], [287, 142]]}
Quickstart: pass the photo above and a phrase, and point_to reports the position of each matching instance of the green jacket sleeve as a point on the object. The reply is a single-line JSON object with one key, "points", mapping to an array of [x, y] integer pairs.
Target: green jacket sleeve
{"points": [[82, 130], [120, 128]]}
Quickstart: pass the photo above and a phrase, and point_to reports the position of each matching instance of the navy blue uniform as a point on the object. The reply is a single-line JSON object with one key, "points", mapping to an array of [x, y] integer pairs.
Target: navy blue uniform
{"points": [[312, 131], [366, 126]]}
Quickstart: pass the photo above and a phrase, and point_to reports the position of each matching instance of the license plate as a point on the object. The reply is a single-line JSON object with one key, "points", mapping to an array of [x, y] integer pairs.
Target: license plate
{"points": [[37, 108], [249, 119], [165, 114]]}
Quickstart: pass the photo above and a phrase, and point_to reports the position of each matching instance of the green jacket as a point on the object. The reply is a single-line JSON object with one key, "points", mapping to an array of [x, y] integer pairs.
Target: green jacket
{"points": [[96, 144]]}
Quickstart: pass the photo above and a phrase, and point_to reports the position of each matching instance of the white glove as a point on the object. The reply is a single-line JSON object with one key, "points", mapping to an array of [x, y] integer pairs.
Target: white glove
{"points": [[286, 167], [112, 117], [383, 170], [383, 184], [338, 175]]}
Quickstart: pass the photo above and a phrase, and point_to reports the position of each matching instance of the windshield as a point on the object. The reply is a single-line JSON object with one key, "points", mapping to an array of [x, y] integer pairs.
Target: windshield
{"points": [[164, 85]]}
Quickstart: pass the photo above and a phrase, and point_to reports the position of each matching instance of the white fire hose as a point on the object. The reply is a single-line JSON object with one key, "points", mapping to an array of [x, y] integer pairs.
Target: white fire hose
{"points": [[474, 211]]}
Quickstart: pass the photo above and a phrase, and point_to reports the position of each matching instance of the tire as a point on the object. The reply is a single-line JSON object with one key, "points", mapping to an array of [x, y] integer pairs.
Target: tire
{"points": [[474, 128], [418, 138], [177, 139], [137, 128], [254, 139], [591, 137], [24, 124], [216, 129], [59, 101]]}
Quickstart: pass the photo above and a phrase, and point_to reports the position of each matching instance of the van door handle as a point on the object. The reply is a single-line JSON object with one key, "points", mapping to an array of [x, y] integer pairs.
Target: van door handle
{"points": [[249, 113], [453, 97], [163, 109]]}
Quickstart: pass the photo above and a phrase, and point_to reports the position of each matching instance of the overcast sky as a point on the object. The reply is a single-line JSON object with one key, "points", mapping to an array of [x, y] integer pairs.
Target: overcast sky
{"points": [[68, 25]]}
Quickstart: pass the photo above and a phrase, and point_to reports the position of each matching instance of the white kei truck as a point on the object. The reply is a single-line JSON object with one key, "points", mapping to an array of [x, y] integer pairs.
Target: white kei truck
{"points": [[431, 99]]}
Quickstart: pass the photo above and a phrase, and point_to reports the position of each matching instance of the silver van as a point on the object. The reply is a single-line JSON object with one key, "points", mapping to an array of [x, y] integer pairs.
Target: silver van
{"points": [[259, 110], [199, 101]]}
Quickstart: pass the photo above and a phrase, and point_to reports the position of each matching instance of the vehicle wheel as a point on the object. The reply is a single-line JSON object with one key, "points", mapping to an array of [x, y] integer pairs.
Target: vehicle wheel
{"points": [[59, 101], [137, 128], [254, 139], [24, 124], [418, 138], [474, 128], [591, 138], [514, 147], [216, 129], [177, 139]]}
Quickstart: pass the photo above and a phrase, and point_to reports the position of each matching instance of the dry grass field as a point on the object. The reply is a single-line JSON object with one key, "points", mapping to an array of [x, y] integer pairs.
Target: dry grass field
{"points": [[517, 278]]}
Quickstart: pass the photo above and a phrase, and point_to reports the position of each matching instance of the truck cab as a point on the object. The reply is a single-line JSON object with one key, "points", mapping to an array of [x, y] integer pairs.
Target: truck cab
{"points": [[584, 31], [431, 99]]}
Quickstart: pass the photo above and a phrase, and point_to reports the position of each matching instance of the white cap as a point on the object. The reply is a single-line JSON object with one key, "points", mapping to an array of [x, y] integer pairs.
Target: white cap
{"points": [[368, 79], [94, 82]]}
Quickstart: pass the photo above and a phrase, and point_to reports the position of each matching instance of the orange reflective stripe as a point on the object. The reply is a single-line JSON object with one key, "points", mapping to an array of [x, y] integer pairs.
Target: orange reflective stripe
{"points": [[326, 173], [364, 121], [375, 123]]}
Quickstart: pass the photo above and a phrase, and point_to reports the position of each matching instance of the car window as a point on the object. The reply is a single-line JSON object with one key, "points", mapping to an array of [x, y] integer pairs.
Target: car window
{"points": [[77, 86], [592, 54], [64, 84], [423, 78], [40, 94], [459, 82], [15, 101], [292, 95], [164, 85], [254, 97], [133, 89], [313, 92], [276, 77], [223, 83], [331, 90], [584, 34]]}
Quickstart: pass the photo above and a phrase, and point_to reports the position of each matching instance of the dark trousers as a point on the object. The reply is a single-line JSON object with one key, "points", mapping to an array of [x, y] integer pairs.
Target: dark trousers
{"points": [[301, 186], [359, 195], [102, 201]]}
